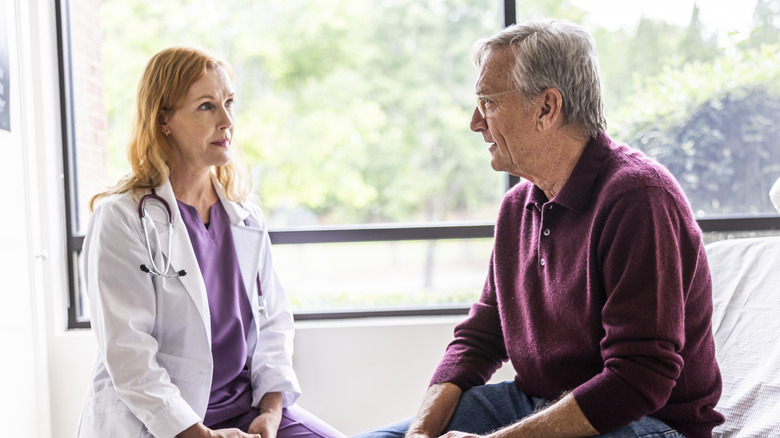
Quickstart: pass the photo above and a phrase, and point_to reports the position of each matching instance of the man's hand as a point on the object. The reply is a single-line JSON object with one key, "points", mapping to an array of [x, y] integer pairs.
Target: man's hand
{"points": [[563, 419], [436, 411], [560, 420], [456, 434]]}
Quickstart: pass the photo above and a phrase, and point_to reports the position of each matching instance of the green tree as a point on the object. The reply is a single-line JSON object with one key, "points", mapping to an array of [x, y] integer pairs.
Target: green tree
{"points": [[349, 110], [714, 125], [766, 24]]}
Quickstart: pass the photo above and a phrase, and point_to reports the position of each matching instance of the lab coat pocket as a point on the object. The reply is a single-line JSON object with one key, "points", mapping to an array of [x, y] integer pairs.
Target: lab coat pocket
{"points": [[104, 401], [182, 369], [106, 415], [192, 377]]}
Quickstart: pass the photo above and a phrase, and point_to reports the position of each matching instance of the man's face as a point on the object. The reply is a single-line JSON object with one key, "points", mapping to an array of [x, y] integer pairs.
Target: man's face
{"points": [[508, 124]]}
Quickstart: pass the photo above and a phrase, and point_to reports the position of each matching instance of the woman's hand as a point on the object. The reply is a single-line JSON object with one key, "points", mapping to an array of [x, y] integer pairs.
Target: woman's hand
{"points": [[267, 423], [198, 430]]}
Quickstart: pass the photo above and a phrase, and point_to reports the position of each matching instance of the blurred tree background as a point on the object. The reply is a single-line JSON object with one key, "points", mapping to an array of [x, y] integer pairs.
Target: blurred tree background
{"points": [[355, 111], [707, 112], [350, 111]]}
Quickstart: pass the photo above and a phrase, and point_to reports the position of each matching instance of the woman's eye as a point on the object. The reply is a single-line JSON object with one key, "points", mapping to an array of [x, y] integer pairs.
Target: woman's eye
{"points": [[229, 103], [205, 106]]}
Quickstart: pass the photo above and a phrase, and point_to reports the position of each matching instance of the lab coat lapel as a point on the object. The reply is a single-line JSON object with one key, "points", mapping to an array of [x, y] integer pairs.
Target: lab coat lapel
{"points": [[248, 239], [183, 257], [248, 242]]}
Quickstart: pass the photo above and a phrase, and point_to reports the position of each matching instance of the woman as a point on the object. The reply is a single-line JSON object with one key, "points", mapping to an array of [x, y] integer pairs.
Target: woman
{"points": [[198, 341]]}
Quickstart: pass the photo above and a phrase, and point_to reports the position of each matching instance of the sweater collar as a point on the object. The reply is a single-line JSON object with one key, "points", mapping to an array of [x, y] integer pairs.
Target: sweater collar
{"points": [[578, 189]]}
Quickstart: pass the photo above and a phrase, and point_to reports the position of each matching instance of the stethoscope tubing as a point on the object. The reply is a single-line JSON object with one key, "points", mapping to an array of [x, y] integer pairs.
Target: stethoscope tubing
{"points": [[154, 270]]}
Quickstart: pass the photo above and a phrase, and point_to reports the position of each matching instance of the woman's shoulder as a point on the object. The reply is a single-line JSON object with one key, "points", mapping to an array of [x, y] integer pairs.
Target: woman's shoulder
{"points": [[117, 205]]}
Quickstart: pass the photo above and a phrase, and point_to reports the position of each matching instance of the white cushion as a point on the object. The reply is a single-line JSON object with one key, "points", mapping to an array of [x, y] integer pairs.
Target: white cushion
{"points": [[746, 326]]}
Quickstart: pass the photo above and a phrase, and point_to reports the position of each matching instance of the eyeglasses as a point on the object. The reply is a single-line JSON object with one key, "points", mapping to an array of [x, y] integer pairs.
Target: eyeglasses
{"points": [[481, 100]]}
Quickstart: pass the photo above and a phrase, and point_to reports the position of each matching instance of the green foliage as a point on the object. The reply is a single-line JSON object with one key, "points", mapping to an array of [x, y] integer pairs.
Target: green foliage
{"points": [[350, 110], [358, 111], [714, 125], [766, 21]]}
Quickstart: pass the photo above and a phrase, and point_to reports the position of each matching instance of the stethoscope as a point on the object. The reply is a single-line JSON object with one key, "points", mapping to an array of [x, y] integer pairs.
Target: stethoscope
{"points": [[157, 272], [154, 270]]}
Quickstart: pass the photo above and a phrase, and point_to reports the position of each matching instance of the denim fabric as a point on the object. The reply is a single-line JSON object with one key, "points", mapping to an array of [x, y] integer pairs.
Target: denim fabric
{"points": [[484, 409]]}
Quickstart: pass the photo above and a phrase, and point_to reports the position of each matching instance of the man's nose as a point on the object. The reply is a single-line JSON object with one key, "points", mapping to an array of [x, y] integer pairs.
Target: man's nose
{"points": [[478, 123]]}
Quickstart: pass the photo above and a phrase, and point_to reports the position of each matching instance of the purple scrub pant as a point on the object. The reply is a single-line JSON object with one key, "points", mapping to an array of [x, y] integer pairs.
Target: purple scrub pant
{"points": [[296, 423]]}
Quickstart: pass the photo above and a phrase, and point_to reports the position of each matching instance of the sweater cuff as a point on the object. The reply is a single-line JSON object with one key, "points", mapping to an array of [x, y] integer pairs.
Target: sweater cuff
{"points": [[609, 402]]}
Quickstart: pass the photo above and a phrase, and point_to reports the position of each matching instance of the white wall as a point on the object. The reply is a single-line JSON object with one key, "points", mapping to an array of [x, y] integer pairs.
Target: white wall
{"points": [[24, 407], [356, 374], [360, 374]]}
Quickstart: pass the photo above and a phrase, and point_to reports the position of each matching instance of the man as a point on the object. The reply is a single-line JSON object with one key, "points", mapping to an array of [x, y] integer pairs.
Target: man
{"points": [[598, 292]]}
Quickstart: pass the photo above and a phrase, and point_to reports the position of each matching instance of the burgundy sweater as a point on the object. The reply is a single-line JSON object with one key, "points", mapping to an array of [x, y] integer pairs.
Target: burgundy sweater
{"points": [[604, 291]]}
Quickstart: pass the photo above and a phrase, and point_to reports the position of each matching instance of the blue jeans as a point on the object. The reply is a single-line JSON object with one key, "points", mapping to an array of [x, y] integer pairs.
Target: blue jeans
{"points": [[487, 408]]}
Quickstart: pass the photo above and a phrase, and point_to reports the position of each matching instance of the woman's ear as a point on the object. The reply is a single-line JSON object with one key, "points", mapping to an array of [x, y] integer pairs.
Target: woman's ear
{"points": [[162, 120]]}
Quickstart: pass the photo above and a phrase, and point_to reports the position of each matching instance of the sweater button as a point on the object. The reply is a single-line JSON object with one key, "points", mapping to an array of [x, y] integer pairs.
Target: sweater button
{"points": [[541, 262], [546, 232]]}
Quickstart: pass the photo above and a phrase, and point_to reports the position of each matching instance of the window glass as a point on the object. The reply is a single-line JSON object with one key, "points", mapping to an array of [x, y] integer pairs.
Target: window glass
{"points": [[349, 111], [695, 84], [714, 237], [89, 113], [354, 276], [357, 111]]}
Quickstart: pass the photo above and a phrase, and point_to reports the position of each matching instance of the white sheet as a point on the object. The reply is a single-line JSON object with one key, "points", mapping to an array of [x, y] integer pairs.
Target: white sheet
{"points": [[746, 325]]}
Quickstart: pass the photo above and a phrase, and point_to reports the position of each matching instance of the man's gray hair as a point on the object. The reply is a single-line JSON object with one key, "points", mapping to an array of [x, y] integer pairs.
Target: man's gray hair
{"points": [[554, 54]]}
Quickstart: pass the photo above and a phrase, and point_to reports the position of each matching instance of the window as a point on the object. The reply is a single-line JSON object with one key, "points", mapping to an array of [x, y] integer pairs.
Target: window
{"points": [[354, 116]]}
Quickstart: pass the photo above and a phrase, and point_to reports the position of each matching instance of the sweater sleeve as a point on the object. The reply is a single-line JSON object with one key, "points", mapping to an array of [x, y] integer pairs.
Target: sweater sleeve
{"points": [[478, 349], [649, 252]]}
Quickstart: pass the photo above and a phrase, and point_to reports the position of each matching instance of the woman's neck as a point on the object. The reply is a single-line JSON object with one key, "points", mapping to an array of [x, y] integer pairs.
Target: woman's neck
{"points": [[195, 190]]}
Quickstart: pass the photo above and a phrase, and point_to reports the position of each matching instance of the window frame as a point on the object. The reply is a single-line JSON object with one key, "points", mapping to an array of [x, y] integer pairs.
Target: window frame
{"points": [[293, 236]]}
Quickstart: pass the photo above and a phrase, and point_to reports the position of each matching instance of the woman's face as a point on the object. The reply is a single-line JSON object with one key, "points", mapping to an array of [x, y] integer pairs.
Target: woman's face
{"points": [[199, 131]]}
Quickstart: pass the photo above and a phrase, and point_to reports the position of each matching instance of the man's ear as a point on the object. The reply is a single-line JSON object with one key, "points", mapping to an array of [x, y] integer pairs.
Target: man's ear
{"points": [[550, 109]]}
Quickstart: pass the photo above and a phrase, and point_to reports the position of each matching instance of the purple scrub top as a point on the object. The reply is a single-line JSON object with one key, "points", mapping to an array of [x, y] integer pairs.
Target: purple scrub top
{"points": [[231, 313]]}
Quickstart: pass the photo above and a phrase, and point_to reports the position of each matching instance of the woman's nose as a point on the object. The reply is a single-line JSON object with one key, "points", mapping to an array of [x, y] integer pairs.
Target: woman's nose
{"points": [[226, 118]]}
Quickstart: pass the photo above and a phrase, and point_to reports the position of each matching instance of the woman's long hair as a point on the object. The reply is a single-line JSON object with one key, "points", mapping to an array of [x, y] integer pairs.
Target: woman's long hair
{"points": [[163, 87]]}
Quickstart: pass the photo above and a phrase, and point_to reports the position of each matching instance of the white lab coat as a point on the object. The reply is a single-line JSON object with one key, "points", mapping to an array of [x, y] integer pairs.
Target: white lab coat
{"points": [[154, 368]]}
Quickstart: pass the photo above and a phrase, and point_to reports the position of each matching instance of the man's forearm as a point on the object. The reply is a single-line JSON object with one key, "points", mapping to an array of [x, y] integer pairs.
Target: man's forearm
{"points": [[436, 410], [563, 419]]}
